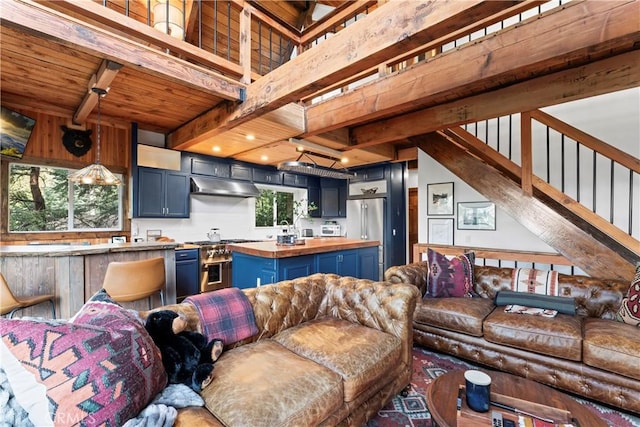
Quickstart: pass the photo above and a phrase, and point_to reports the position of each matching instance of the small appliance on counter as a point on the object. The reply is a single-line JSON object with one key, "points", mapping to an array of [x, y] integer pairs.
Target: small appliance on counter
{"points": [[307, 232], [330, 229], [214, 235]]}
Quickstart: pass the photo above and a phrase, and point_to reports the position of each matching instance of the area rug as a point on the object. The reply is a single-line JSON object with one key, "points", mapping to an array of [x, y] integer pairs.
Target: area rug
{"points": [[412, 411]]}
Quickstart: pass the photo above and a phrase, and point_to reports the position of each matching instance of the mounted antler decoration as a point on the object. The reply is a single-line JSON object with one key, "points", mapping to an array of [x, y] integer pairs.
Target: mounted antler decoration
{"points": [[77, 142]]}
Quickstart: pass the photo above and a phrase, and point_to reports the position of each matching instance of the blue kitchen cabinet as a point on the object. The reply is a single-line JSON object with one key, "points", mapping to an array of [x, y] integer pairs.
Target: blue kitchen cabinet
{"points": [[187, 273], [162, 193], [249, 271], [344, 263]]}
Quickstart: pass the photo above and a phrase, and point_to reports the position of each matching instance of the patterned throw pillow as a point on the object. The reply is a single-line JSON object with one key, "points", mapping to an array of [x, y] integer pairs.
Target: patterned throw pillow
{"points": [[449, 277], [629, 311], [100, 368]]}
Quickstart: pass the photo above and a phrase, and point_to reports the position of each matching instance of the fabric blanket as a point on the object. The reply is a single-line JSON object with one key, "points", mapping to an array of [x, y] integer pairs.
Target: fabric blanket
{"points": [[543, 282], [225, 314]]}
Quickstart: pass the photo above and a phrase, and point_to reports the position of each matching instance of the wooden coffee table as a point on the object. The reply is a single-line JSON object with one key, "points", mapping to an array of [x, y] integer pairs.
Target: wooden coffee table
{"points": [[443, 392]]}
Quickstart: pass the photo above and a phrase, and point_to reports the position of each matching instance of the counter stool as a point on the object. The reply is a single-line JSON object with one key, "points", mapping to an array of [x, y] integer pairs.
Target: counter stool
{"points": [[9, 303], [134, 280]]}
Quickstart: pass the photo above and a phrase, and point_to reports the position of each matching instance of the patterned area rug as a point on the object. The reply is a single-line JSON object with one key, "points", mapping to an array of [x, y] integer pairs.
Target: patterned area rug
{"points": [[412, 411]]}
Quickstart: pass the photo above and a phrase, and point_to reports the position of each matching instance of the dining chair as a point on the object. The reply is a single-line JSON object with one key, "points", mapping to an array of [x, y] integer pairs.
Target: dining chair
{"points": [[127, 281], [9, 303]]}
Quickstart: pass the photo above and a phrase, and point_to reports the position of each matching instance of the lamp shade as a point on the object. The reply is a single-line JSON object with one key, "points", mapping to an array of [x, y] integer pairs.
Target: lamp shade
{"points": [[168, 17], [94, 174]]}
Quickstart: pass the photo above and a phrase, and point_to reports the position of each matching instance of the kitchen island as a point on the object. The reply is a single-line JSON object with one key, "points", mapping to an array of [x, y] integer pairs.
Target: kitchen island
{"points": [[73, 273], [260, 263]]}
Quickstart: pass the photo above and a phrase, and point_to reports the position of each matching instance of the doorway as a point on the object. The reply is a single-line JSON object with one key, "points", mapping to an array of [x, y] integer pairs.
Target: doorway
{"points": [[413, 220]]}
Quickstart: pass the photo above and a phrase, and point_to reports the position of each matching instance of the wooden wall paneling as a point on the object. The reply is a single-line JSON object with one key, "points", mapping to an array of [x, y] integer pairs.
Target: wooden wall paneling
{"points": [[29, 276]]}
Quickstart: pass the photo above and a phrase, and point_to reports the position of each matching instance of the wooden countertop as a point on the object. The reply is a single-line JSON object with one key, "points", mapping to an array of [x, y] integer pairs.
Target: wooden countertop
{"points": [[269, 249], [71, 250]]}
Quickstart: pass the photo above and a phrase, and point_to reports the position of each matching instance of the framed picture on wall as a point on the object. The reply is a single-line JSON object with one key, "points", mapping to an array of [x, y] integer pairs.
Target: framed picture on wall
{"points": [[476, 216], [440, 199], [440, 231], [15, 131]]}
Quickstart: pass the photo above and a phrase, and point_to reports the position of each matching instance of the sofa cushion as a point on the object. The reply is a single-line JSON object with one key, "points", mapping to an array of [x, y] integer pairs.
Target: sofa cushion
{"points": [[612, 346], [361, 356], [463, 315], [559, 336], [629, 311], [449, 277], [102, 368], [265, 384]]}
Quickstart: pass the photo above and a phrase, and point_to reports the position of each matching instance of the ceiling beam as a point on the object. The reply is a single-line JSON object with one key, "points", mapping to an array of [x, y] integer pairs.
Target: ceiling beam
{"points": [[605, 76], [101, 79], [388, 31], [566, 37], [33, 18]]}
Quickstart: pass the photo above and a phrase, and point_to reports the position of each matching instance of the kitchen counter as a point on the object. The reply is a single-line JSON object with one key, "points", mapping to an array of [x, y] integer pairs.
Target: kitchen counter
{"points": [[316, 245], [73, 273], [52, 250], [261, 263]]}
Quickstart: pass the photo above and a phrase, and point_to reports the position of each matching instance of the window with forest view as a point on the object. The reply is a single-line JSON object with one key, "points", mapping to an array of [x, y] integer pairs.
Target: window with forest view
{"points": [[274, 208], [42, 199]]}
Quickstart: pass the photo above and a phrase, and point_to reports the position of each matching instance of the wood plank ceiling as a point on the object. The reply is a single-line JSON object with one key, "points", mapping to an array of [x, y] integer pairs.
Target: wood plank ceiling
{"points": [[203, 98]]}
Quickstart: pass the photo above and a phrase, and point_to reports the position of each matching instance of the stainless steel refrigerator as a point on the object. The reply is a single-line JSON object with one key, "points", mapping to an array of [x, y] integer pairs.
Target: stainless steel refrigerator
{"points": [[366, 221]]}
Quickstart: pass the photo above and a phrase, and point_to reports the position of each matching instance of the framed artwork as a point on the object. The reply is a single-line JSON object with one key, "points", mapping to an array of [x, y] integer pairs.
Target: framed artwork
{"points": [[440, 199], [476, 216], [15, 131], [440, 231]]}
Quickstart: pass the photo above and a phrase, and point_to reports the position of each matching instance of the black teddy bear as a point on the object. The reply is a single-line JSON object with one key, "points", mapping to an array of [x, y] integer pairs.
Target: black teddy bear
{"points": [[187, 356]]}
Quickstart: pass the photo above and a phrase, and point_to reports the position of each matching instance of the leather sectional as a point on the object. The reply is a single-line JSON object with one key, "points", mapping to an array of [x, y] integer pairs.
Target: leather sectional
{"points": [[589, 354]]}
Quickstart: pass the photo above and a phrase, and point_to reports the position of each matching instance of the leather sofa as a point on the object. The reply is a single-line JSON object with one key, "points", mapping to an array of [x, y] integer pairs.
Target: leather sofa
{"points": [[588, 354], [330, 351]]}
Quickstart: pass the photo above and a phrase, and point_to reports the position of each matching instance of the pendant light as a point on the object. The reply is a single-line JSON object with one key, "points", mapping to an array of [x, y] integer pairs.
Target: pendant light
{"points": [[95, 174]]}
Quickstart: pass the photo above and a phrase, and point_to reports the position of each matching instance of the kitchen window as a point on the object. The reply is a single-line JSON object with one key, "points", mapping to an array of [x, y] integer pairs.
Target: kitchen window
{"points": [[41, 199], [274, 208]]}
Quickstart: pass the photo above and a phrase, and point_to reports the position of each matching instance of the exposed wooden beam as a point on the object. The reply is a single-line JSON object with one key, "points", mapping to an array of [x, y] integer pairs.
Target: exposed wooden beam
{"points": [[33, 18], [385, 33], [605, 76], [117, 21], [598, 30], [582, 249], [101, 79]]}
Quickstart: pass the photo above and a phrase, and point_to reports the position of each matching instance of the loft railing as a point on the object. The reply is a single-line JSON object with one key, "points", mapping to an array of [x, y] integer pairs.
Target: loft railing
{"points": [[579, 171], [239, 40]]}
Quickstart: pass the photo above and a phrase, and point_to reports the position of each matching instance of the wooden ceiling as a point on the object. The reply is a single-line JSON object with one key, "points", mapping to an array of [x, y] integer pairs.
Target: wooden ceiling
{"points": [[213, 95]]}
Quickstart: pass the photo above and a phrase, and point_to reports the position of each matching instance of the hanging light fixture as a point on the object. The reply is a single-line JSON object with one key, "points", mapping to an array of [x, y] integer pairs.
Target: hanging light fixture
{"points": [[168, 17], [95, 174]]}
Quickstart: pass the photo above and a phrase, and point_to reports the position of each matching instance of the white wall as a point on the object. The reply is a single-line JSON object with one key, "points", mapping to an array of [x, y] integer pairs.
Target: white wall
{"points": [[614, 118], [234, 216]]}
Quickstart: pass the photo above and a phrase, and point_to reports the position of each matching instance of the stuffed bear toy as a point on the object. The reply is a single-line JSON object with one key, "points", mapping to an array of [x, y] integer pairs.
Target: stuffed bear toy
{"points": [[187, 356]]}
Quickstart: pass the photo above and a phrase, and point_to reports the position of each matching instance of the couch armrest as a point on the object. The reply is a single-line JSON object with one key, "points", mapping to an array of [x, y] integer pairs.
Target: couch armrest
{"points": [[412, 274]]}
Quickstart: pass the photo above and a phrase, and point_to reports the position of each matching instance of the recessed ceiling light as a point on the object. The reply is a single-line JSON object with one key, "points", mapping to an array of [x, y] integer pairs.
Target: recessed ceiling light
{"points": [[216, 148], [264, 158], [344, 160], [250, 137]]}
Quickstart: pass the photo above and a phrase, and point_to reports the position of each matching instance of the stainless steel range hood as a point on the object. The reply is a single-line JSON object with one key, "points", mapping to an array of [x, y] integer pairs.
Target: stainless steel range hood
{"points": [[220, 187]]}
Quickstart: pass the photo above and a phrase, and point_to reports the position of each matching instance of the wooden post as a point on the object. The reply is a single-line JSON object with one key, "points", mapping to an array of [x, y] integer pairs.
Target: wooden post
{"points": [[245, 44]]}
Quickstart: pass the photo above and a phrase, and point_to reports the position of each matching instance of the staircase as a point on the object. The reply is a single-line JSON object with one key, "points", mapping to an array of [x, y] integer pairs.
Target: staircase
{"points": [[586, 204]]}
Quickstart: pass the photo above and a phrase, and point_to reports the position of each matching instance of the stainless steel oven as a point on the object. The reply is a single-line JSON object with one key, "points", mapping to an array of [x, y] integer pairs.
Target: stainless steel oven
{"points": [[215, 264]]}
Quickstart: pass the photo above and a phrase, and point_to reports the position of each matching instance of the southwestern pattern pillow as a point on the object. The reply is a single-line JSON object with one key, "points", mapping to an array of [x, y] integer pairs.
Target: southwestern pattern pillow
{"points": [[629, 311], [449, 277], [100, 368]]}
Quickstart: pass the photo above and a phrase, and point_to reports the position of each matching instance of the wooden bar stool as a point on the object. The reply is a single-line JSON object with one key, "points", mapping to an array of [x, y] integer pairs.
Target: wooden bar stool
{"points": [[134, 280], [9, 303]]}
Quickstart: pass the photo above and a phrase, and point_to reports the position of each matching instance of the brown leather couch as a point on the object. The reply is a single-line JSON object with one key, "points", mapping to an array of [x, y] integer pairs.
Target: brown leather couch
{"points": [[588, 354], [330, 351]]}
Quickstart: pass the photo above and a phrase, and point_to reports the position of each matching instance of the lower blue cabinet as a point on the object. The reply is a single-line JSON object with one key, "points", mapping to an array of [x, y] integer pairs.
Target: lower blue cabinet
{"points": [[249, 271]]}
